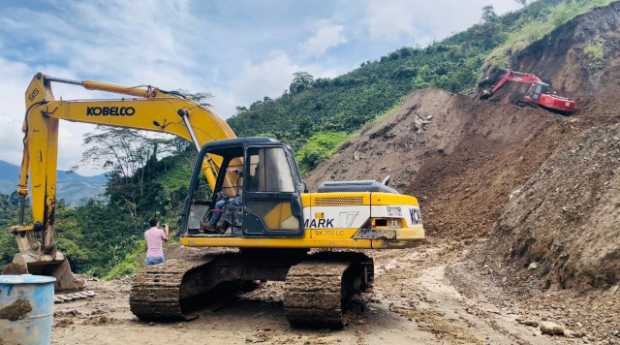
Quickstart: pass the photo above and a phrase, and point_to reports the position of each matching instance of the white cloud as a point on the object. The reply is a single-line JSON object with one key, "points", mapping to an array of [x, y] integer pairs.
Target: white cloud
{"points": [[387, 18], [16, 77], [326, 35], [270, 77], [137, 42], [424, 21]]}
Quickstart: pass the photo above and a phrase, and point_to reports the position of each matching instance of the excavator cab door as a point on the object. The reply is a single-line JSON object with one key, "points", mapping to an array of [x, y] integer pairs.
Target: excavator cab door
{"points": [[272, 193], [536, 90]]}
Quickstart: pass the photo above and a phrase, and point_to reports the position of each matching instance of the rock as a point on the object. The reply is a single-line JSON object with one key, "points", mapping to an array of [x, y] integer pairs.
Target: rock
{"points": [[514, 193], [552, 328], [533, 266], [530, 323], [575, 334], [63, 323]]}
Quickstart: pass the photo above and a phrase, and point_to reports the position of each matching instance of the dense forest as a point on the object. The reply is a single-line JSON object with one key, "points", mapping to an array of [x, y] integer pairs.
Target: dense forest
{"points": [[149, 178]]}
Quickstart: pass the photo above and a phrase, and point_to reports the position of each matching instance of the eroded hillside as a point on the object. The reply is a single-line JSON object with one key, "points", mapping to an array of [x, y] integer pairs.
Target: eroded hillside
{"points": [[540, 185]]}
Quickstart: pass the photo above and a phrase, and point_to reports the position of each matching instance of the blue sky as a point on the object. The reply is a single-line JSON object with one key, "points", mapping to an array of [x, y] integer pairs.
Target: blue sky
{"points": [[238, 50]]}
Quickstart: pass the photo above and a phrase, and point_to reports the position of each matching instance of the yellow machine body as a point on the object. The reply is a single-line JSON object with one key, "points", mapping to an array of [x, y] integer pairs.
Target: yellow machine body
{"points": [[157, 110], [335, 220]]}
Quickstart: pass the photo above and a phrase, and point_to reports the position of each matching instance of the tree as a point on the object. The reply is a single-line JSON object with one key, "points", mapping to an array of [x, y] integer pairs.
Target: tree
{"points": [[198, 97], [522, 2], [126, 152], [488, 14], [121, 150], [301, 81]]}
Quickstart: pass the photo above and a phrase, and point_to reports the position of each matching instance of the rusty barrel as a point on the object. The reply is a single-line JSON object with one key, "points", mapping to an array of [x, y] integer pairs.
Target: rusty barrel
{"points": [[26, 309]]}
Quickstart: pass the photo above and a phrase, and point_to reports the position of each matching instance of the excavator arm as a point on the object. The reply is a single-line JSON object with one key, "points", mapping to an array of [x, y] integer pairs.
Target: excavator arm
{"points": [[505, 77], [150, 109]]}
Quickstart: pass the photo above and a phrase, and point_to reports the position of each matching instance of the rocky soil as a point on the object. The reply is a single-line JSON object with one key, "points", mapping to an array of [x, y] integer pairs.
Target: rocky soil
{"points": [[421, 296], [540, 190]]}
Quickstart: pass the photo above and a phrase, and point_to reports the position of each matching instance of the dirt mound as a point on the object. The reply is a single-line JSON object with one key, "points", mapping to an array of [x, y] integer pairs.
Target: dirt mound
{"points": [[565, 220], [460, 156]]}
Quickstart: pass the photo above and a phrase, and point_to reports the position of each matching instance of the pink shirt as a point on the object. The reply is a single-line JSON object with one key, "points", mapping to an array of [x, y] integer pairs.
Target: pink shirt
{"points": [[155, 238]]}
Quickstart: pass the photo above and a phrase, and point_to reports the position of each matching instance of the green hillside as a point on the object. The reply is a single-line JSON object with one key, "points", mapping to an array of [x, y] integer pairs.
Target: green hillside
{"points": [[345, 103], [98, 235]]}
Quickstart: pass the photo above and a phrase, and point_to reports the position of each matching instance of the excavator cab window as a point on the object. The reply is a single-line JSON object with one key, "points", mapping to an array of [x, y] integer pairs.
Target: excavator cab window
{"points": [[257, 193], [272, 196], [218, 211], [202, 202], [537, 89]]}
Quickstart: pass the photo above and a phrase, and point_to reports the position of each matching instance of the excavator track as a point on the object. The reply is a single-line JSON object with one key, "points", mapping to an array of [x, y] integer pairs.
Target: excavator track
{"points": [[318, 289], [158, 292]]}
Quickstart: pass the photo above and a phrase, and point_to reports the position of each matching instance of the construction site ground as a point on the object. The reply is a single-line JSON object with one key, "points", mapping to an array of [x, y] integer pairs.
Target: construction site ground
{"points": [[427, 295]]}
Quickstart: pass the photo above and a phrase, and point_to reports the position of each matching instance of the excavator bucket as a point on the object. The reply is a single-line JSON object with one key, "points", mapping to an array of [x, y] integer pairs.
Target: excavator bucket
{"points": [[57, 267], [485, 86]]}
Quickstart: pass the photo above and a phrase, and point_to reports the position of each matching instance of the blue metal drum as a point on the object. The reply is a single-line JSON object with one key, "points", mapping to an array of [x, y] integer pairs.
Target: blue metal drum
{"points": [[26, 309]]}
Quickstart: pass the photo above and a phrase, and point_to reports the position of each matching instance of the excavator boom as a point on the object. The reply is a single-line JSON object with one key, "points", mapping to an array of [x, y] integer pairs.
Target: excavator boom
{"points": [[154, 110]]}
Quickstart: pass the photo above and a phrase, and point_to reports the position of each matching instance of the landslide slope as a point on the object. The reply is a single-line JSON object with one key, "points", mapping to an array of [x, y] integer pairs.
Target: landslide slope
{"points": [[566, 217], [460, 156], [542, 187]]}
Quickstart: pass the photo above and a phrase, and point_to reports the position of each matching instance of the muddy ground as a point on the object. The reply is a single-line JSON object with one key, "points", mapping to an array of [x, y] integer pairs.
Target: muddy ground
{"points": [[426, 295]]}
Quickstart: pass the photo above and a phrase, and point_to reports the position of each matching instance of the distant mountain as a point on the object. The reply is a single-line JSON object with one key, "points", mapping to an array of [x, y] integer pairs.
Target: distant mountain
{"points": [[72, 187]]}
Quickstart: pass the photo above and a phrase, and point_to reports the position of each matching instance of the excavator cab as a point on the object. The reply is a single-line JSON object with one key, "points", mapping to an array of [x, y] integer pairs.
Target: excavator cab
{"points": [[536, 89], [257, 191]]}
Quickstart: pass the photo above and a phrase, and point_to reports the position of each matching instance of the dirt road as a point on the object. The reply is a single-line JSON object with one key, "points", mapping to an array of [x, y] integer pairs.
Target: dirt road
{"points": [[414, 301]]}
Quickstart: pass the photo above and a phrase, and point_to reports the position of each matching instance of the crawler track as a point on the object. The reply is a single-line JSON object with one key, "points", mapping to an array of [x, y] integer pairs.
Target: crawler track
{"points": [[318, 289], [318, 286], [158, 292]]}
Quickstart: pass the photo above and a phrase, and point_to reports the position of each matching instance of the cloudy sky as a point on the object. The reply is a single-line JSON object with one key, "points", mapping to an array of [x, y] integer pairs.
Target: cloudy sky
{"points": [[237, 50]]}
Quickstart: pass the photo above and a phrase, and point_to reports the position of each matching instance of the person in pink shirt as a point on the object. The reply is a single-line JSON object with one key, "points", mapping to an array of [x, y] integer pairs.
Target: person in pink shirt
{"points": [[155, 238]]}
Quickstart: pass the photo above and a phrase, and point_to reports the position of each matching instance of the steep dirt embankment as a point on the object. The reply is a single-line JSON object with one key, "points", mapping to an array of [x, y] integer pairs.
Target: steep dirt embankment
{"points": [[566, 217], [461, 157], [542, 186]]}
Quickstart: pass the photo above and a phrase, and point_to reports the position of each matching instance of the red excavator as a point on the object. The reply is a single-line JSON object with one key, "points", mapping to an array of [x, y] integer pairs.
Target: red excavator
{"points": [[539, 93]]}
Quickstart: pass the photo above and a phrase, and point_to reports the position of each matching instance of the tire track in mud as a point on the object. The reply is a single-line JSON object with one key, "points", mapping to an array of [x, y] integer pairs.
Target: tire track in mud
{"points": [[413, 286]]}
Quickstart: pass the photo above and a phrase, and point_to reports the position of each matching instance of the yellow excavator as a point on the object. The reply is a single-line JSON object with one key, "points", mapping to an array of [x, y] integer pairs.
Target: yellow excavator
{"points": [[246, 202]]}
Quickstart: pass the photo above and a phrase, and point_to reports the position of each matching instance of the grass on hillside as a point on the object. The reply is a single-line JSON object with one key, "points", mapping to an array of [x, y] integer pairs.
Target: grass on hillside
{"points": [[323, 145], [595, 53], [132, 262], [535, 30]]}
